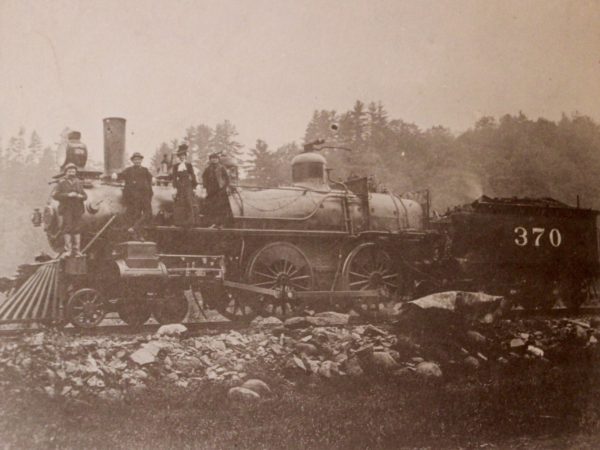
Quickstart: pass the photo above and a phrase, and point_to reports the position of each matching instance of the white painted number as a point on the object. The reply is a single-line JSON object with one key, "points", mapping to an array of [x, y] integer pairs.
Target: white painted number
{"points": [[539, 232], [555, 237], [522, 238]]}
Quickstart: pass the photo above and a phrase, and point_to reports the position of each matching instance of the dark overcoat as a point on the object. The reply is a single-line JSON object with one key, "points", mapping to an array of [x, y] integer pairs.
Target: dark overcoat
{"points": [[66, 204], [138, 184]]}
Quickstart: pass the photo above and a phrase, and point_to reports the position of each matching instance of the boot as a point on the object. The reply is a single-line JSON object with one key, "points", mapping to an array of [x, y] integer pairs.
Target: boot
{"points": [[68, 247], [77, 245]]}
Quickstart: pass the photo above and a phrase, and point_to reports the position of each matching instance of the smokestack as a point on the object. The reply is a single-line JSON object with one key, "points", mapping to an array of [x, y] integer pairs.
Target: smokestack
{"points": [[114, 145]]}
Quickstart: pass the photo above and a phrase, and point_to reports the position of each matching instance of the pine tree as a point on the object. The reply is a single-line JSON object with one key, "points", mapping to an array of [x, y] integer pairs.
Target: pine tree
{"points": [[198, 139], [223, 141], [34, 149], [15, 151], [262, 170]]}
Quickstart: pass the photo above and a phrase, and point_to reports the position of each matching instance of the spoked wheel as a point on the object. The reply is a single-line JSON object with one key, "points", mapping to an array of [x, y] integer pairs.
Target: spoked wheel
{"points": [[283, 267], [369, 267], [536, 294], [576, 292], [86, 308], [134, 311], [234, 305], [171, 308]]}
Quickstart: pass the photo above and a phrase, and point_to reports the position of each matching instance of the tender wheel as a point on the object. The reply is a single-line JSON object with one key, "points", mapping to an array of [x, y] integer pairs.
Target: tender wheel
{"points": [[134, 311], [170, 309], [369, 267], [536, 295], [575, 293], [280, 266], [86, 308]]}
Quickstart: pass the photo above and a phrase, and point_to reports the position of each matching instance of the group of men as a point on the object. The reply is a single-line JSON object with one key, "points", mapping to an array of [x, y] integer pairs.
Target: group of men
{"points": [[137, 196]]}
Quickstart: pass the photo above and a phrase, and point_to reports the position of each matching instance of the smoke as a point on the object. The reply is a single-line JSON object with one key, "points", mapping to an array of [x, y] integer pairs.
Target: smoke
{"points": [[455, 187]]}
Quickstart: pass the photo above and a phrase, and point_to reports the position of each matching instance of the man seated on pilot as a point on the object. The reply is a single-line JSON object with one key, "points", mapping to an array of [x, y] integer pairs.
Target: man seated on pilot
{"points": [[70, 196], [137, 195], [184, 180]]}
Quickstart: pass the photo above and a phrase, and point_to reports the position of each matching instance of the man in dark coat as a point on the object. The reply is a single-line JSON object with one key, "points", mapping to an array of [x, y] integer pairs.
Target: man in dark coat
{"points": [[70, 196], [137, 195], [216, 182], [184, 180]]}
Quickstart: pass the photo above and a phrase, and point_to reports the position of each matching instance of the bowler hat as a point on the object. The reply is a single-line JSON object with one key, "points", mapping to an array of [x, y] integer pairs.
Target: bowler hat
{"points": [[214, 155], [70, 166], [182, 149], [137, 155]]}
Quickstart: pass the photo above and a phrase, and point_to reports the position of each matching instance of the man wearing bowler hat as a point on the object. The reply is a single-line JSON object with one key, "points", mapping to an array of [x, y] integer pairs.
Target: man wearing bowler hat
{"points": [[137, 195], [184, 180], [70, 196]]}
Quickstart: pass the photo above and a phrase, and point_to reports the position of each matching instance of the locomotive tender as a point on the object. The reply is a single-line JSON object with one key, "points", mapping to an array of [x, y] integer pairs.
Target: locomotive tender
{"points": [[316, 243]]}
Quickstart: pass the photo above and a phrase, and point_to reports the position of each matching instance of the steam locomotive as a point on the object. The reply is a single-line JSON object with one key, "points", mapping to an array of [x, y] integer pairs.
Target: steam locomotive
{"points": [[317, 243]]}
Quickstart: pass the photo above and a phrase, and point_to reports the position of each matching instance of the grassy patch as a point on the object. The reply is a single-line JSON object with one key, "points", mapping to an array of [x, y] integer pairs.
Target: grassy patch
{"points": [[345, 413]]}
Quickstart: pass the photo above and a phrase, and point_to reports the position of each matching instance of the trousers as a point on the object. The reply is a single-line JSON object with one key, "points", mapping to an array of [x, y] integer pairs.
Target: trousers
{"points": [[139, 213], [71, 221]]}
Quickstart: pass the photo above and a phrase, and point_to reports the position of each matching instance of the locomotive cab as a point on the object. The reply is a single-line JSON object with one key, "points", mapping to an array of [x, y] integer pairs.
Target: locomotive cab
{"points": [[308, 171]]}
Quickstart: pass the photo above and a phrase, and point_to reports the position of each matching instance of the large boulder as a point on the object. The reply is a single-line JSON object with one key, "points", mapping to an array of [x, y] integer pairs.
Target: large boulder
{"points": [[240, 393], [172, 329], [266, 322], [429, 369], [328, 318], [258, 386]]}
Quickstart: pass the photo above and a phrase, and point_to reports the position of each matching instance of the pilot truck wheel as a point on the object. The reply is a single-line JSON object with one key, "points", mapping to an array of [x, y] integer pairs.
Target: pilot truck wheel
{"points": [[172, 308], [86, 308], [134, 311]]}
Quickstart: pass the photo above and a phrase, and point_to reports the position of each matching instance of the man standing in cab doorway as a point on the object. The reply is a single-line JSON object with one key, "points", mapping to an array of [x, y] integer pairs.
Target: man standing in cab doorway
{"points": [[184, 180], [137, 196], [216, 182], [70, 196]]}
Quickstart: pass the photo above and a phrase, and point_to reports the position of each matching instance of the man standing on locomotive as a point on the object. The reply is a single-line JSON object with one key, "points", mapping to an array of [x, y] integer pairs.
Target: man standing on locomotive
{"points": [[216, 182], [137, 195], [70, 196], [184, 180]]}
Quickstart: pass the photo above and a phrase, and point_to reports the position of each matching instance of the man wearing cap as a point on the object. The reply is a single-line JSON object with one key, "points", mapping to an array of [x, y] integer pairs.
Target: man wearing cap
{"points": [[137, 195], [216, 182], [184, 180], [70, 196]]}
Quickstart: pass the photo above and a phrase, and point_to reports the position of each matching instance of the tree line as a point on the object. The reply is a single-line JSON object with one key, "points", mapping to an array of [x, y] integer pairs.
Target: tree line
{"points": [[508, 156]]}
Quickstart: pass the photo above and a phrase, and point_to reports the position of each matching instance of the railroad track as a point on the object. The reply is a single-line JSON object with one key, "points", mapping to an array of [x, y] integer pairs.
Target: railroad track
{"points": [[114, 329], [225, 325]]}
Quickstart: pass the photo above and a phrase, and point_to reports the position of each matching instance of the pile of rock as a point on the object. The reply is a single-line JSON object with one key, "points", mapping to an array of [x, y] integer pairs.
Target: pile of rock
{"points": [[324, 346]]}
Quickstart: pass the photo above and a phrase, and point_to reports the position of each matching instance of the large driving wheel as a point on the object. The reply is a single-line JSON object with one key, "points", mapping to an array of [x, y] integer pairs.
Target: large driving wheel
{"points": [[171, 308], [280, 266], [369, 267], [134, 311], [86, 308]]}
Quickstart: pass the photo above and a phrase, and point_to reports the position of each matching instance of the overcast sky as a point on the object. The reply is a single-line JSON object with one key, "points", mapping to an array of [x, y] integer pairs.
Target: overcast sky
{"points": [[266, 65]]}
